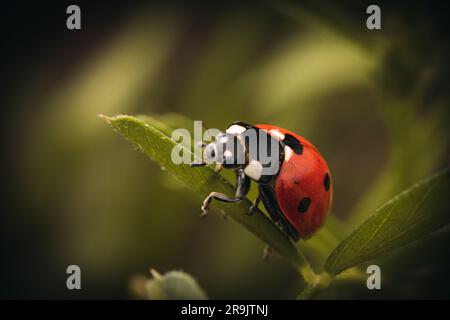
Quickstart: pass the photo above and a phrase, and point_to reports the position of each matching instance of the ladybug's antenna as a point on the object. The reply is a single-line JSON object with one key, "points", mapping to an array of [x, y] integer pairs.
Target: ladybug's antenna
{"points": [[197, 164]]}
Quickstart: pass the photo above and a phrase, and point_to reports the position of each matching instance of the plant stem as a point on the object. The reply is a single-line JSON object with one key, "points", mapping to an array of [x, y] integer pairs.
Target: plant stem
{"points": [[305, 269], [317, 283]]}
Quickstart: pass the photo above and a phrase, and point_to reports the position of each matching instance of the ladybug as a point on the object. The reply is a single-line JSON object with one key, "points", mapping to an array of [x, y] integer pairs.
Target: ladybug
{"points": [[297, 190]]}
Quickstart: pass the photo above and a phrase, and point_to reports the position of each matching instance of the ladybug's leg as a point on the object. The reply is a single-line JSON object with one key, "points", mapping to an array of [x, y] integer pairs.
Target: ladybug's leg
{"points": [[254, 206], [270, 203], [242, 188]]}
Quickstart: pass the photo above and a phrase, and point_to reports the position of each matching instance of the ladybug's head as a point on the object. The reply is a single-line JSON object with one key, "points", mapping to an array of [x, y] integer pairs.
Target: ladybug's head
{"points": [[226, 150]]}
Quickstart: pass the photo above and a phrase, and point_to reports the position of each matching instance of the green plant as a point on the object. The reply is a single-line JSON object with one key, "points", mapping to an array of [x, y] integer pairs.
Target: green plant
{"points": [[414, 213]]}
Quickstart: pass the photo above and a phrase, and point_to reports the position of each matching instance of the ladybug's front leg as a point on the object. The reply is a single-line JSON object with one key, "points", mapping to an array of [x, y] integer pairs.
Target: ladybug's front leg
{"points": [[242, 188]]}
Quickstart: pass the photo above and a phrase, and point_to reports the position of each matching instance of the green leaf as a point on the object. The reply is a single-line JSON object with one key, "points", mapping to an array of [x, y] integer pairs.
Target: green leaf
{"points": [[416, 212], [173, 285], [151, 137]]}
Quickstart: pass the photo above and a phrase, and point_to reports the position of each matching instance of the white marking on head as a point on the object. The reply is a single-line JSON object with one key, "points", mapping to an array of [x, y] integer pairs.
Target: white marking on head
{"points": [[253, 170], [228, 154], [277, 133], [235, 129], [288, 152]]}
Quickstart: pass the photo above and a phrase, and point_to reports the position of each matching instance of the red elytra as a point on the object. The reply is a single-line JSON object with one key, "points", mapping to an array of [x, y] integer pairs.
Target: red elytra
{"points": [[303, 186]]}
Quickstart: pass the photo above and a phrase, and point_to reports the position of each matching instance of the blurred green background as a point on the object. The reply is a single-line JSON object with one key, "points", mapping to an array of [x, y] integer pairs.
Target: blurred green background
{"points": [[376, 103]]}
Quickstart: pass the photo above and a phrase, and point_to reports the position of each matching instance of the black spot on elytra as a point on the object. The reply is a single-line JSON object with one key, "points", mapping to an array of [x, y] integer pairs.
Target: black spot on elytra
{"points": [[304, 205], [296, 182], [326, 182], [293, 143]]}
